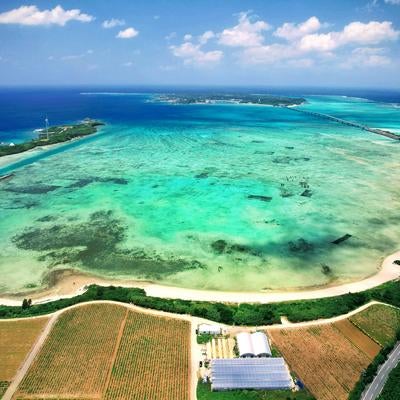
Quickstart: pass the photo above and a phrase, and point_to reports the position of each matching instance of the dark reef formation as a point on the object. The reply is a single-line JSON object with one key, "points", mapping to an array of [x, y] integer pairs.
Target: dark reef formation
{"points": [[95, 245]]}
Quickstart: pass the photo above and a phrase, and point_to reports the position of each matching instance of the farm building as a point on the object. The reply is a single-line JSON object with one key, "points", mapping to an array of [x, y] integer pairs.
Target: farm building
{"points": [[209, 329], [250, 373], [253, 345]]}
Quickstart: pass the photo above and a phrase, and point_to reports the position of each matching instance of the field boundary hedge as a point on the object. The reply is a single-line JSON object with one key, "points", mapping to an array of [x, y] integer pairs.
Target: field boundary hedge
{"points": [[250, 314]]}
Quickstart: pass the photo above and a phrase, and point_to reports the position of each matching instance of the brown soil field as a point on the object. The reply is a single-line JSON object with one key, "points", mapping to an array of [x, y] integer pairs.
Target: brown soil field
{"points": [[380, 322], [106, 351], [326, 360], [153, 360], [358, 338], [16, 340], [76, 357]]}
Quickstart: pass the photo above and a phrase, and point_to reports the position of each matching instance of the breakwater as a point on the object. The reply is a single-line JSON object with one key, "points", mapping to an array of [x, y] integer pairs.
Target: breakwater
{"points": [[377, 131]]}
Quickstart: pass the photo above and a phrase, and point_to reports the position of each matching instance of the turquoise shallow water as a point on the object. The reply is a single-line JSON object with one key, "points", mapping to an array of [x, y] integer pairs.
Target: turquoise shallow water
{"points": [[169, 197]]}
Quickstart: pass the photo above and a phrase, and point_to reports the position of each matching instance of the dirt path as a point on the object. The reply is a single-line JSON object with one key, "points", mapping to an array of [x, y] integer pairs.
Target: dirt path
{"points": [[30, 358], [194, 321], [114, 355]]}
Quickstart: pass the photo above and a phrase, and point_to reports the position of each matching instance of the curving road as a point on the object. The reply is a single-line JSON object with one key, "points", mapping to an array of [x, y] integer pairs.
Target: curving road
{"points": [[194, 321], [384, 370]]}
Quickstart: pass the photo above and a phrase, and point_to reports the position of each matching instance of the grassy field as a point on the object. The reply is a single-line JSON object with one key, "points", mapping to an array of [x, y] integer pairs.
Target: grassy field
{"points": [[329, 359], [204, 393], [380, 322], [106, 351], [16, 339]]}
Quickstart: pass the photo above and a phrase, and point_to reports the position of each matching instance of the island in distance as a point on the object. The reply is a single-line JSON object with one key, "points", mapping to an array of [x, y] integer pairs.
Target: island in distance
{"points": [[234, 98]]}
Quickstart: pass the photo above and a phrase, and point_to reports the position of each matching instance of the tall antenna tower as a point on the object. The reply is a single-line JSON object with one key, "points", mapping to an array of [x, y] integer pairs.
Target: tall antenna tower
{"points": [[47, 127]]}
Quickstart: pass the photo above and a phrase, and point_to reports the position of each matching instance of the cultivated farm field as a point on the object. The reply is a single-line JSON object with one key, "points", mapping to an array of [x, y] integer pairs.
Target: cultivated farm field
{"points": [[379, 322], [76, 356], [152, 360], [358, 338], [326, 358], [107, 351], [16, 339]]}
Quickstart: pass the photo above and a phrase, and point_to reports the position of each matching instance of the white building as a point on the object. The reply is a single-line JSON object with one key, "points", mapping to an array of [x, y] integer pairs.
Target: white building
{"points": [[253, 345], [206, 329]]}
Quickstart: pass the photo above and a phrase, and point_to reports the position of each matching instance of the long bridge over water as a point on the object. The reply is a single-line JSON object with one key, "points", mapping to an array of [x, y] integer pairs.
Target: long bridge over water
{"points": [[381, 132]]}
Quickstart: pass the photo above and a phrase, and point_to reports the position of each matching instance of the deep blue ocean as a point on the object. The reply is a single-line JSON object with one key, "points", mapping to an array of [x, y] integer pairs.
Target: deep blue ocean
{"points": [[24, 109]]}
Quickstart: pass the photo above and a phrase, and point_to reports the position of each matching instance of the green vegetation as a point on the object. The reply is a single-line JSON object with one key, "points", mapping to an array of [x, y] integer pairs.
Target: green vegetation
{"points": [[204, 393], [57, 134], [391, 391], [204, 338], [3, 387], [232, 314], [379, 322], [235, 98], [369, 374]]}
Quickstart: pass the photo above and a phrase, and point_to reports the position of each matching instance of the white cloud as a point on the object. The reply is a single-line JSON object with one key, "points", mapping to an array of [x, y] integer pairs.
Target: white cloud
{"points": [[31, 15], [302, 63], [268, 54], [156, 17], [170, 36], [245, 33], [369, 33], [290, 31], [127, 33], [112, 23], [319, 42], [127, 64], [392, 1], [367, 57], [74, 56], [206, 36], [192, 54], [187, 37]]}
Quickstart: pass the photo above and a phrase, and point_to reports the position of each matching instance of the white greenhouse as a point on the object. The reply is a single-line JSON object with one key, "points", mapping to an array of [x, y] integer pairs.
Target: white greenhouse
{"points": [[253, 345]]}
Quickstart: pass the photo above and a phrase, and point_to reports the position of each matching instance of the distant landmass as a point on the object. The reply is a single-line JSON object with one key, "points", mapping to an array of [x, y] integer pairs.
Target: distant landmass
{"points": [[53, 135], [263, 99]]}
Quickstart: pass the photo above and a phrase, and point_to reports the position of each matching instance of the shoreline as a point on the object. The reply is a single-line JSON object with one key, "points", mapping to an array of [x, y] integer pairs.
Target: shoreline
{"points": [[70, 283], [9, 159]]}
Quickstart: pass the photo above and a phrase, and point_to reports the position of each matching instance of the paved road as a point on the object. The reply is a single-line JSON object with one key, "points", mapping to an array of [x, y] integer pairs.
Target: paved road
{"points": [[379, 381], [194, 322]]}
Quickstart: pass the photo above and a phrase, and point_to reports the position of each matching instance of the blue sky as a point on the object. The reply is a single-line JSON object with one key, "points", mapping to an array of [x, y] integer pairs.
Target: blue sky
{"points": [[218, 42]]}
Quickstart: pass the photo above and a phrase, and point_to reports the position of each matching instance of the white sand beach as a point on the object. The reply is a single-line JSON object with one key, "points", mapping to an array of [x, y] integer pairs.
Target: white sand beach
{"points": [[73, 283]]}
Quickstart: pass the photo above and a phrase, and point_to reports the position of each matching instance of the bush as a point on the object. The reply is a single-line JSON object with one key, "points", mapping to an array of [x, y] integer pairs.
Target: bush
{"points": [[233, 314]]}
